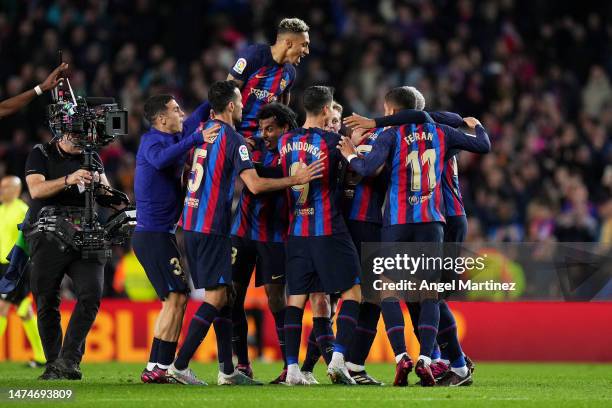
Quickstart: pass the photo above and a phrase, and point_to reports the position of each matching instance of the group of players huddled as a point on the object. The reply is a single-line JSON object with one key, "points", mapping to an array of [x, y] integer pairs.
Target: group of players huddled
{"points": [[311, 197]]}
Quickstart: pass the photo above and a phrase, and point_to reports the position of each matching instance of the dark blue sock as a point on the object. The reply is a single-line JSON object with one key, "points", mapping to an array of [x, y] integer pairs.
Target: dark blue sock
{"points": [[167, 350], [394, 324], [447, 336], [279, 323], [414, 310], [293, 333], [198, 328], [346, 323], [428, 326], [324, 337], [240, 332], [223, 331], [153, 356], [313, 352], [365, 333], [436, 353]]}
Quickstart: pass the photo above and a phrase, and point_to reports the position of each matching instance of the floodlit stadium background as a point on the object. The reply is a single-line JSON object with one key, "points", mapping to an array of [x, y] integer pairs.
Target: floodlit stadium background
{"points": [[536, 73]]}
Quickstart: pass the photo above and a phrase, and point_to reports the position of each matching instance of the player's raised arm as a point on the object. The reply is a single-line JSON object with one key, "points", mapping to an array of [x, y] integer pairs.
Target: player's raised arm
{"points": [[370, 164], [12, 105], [451, 119], [479, 143], [200, 114], [238, 82], [303, 175]]}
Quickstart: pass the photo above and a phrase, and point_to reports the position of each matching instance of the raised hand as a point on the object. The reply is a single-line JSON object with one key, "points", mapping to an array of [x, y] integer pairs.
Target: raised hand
{"points": [[304, 174], [346, 147], [471, 122], [356, 121], [209, 135], [53, 78]]}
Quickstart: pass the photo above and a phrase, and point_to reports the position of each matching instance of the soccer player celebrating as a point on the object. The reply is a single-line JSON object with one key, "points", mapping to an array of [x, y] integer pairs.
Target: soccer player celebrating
{"points": [[259, 232], [265, 74], [206, 222], [415, 214], [157, 186], [454, 231], [321, 256], [321, 338]]}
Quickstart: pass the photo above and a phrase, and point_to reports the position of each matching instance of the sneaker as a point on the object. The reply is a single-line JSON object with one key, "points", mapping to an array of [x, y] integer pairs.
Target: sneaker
{"points": [[338, 374], [51, 372], [161, 376], [186, 376], [402, 369], [147, 377], [236, 378], [363, 378], [281, 378], [424, 372], [469, 363], [245, 369], [310, 378], [438, 369], [452, 379], [295, 378], [69, 370]]}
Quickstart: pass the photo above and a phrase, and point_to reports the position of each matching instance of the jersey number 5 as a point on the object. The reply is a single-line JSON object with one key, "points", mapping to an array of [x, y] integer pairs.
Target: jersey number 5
{"points": [[197, 170], [300, 188], [412, 161]]}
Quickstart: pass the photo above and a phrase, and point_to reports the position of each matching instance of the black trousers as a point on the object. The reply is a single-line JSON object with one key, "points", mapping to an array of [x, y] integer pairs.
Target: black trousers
{"points": [[49, 264]]}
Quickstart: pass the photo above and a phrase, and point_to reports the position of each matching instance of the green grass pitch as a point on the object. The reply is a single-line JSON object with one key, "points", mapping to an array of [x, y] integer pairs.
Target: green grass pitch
{"points": [[115, 385]]}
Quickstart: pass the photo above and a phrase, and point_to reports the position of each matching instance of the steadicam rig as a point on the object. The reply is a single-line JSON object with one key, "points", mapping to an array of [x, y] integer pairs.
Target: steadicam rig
{"points": [[90, 123]]}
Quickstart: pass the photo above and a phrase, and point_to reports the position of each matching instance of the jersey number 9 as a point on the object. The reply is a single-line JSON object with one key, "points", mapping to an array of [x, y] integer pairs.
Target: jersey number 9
{"points": [[300, 188]]}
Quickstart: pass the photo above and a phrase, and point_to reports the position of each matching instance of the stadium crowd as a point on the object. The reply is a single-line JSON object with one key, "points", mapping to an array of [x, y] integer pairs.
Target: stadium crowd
{"points": [[538, 78]]}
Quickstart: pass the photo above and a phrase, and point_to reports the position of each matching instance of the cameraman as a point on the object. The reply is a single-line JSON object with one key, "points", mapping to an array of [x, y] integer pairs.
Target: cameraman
{"points": [[54, 178]]}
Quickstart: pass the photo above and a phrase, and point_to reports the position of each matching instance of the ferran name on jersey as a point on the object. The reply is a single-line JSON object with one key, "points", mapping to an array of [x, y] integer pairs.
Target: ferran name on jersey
{"points": [[418, 136]]}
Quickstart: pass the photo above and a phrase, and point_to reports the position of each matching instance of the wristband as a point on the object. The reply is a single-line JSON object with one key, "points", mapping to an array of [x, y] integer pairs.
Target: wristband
{"points": [[66, 181], [351, 157], [38, 90]]}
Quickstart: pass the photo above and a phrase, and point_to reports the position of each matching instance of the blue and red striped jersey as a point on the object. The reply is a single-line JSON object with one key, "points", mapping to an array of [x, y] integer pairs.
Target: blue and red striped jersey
{"points": [[314, 208], [262, 217], [210, 189], [264, 81], [416, 156], [451, 192], [364, 196]]}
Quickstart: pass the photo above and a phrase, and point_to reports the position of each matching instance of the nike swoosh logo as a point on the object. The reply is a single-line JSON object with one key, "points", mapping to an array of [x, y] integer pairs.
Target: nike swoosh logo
{"points": [[275, 277], [261, 76]]}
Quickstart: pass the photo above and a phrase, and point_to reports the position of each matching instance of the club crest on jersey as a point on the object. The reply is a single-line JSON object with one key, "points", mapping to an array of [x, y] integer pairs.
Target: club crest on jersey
{"points": [[244, 153], [240, 65], [283, 84]]}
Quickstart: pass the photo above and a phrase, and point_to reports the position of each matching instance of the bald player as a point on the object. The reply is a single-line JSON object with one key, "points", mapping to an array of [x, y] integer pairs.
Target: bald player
{"points": [[12, 213]]}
